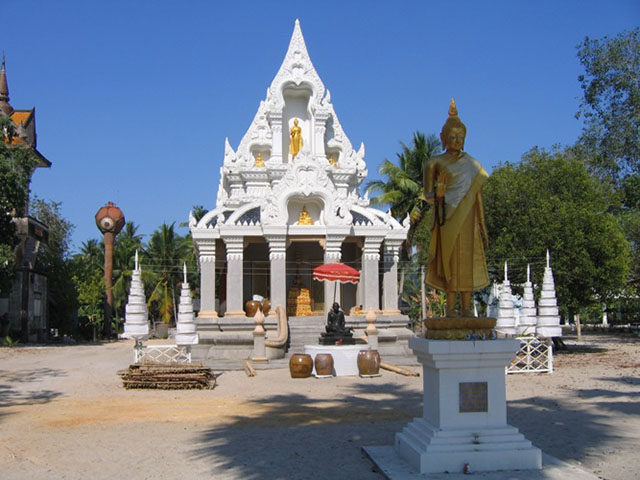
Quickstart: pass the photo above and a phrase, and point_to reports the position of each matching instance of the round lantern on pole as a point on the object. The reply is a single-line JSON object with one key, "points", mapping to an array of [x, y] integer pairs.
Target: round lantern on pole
{"points": [[110, 221]]}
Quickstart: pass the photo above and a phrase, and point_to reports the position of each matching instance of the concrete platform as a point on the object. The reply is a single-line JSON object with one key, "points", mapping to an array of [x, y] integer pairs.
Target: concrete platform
{"points": [[394, 468]]}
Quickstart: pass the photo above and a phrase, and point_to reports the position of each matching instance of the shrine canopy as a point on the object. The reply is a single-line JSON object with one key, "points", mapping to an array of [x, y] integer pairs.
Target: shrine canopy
{"points": [[336, 272]]}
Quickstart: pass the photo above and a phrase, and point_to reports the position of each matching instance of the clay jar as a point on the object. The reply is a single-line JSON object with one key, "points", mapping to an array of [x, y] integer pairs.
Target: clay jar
{"points": [[324, 364], [368, 362], [266, 306], [300, 365], [251, 307]]}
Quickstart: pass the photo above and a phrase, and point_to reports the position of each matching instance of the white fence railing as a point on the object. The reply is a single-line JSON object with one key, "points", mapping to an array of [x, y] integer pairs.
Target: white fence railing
{"points": [[535, 356], [161, 354]]}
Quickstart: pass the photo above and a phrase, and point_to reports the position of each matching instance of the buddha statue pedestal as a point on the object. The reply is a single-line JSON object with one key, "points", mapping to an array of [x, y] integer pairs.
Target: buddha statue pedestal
{"points": [[464, 418], [460, 328]]}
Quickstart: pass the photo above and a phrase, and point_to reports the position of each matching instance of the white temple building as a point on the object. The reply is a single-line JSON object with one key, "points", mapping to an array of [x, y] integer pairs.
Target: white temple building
{"points": [[289, 201]]}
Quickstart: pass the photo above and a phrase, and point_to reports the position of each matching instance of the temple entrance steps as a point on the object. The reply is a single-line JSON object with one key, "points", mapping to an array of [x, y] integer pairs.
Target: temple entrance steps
{"points": [[304, 331]]}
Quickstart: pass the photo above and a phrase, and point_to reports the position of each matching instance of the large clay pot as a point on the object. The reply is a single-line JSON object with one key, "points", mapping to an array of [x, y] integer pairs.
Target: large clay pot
{"points": [[300, 365], [251, 307], [368, 362], [266, 306], [324, 364]]}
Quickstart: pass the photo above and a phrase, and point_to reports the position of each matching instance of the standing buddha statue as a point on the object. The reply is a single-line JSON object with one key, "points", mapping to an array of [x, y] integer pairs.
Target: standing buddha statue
{"points": [[296, 139], [453, 184]]}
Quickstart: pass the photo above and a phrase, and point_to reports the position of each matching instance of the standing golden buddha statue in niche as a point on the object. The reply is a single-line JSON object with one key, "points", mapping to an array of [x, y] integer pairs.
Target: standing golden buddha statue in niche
{"points": [[332, 161], [259, 161], [453, 184], [304, 218], [296, 139]]}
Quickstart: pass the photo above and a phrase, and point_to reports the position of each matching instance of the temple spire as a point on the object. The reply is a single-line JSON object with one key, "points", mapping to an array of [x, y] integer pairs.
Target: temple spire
{"points": [[4, 90]]}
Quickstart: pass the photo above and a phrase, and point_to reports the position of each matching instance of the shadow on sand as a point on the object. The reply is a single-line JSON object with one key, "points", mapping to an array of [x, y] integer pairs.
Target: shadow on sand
{"points": [[294, 432], [13, 393]]}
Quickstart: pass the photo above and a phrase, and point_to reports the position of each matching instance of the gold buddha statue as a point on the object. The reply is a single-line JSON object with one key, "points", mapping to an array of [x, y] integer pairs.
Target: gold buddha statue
{"points": [[259, 162], [453, 184], [304, 218], [332, 161], [296, 139]]}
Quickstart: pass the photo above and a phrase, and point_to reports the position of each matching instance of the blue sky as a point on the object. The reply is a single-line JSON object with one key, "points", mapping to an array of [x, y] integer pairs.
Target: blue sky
{"points": [[135, 98]]}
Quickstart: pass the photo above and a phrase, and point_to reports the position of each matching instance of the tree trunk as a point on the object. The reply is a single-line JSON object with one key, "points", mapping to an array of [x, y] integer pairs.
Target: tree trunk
{"points": [[578, 327], [423, 294], [403, 272]]}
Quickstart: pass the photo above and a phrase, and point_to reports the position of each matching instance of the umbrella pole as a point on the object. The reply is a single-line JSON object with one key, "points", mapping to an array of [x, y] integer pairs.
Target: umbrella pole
{"points": [[335, 288]]}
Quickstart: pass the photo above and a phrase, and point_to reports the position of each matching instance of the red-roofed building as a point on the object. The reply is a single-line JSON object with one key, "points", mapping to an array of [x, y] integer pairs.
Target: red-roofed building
{"points": [[23, 313]]}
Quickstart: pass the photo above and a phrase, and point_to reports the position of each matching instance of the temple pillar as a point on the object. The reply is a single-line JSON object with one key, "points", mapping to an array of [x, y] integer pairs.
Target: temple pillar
{"points": [[207, 259], [390, 277], [235, 255], [332, 254], [276, 145], [370, 265], [278, 270], [319, 129]]}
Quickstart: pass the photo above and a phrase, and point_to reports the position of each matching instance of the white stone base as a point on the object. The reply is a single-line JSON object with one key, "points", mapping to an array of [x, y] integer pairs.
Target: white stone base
{"points": [[345, 357], [464, 416], [429, 450]]}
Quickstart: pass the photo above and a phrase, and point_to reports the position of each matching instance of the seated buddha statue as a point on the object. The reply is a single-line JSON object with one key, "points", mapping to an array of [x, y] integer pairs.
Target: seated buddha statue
{"points": [[305, 218]]}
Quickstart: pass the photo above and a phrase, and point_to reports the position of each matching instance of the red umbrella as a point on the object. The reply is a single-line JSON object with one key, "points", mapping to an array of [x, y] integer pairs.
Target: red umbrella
{"points": [[336, 272]]}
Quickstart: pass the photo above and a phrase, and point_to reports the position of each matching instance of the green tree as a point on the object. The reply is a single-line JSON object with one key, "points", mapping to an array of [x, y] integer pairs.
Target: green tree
{"points": [[402, 191], [611, 104], [549, 201], [55, 262], [163, 258], [90, 290], [16, 166]]}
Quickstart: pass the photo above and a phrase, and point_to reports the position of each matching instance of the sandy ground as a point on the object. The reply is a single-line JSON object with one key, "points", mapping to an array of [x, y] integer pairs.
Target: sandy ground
{"points": [[64, 414]]}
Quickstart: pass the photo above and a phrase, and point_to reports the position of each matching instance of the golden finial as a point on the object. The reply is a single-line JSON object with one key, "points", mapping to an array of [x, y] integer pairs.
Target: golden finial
{"points": [[453, 111], [259, 162]]}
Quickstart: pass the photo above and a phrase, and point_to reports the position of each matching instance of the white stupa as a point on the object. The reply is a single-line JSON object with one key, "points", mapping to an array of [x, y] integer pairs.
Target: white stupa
{"points": [[492, 300], [186, 326], [136, 318], [506, 318], [527, 323], [548, 324]]}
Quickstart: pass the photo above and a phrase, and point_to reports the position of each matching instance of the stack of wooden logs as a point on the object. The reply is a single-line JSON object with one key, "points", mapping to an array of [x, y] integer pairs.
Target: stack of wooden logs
{"points": [[168, 376]]}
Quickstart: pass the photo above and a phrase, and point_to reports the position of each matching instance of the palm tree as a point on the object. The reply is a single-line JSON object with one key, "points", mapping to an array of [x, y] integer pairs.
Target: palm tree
{"points": [[402, 190], [127, 242], [164, 256]]}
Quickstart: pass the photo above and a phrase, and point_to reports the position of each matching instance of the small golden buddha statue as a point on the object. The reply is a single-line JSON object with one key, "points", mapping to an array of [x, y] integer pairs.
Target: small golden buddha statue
{"points": [[296, 139], [259, 162], [332, 161], [305, 218]]}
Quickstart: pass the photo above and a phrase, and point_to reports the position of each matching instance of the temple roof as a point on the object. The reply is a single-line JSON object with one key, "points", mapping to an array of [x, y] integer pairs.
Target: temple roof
{"points": [[24, 120]]}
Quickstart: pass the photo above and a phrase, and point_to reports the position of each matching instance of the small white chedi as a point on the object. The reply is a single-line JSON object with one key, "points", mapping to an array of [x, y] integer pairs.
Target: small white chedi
{"points": [[548, 325], [527, 323], [186, 326], [136, 325], [506, 323]]}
